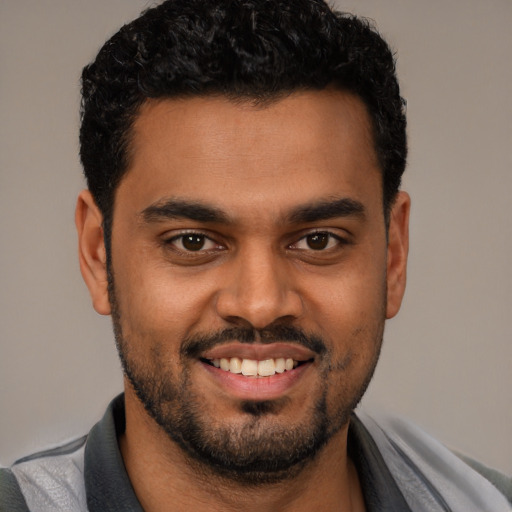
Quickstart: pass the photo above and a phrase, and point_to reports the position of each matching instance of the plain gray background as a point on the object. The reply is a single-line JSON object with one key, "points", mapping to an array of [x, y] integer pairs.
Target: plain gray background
{"points": [[446, 362]]}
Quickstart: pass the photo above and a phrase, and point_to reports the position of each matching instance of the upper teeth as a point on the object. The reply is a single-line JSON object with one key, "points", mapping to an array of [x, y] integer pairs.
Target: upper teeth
{"points": [[252, 367]]}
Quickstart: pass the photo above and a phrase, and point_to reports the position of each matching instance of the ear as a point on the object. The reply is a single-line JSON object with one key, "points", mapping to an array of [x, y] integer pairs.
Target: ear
{"points": [[398, 248], [91, 251]]}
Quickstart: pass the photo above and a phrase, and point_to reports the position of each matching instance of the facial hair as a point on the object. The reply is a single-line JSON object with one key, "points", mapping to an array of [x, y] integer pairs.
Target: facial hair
{"points": [[258, 451]]}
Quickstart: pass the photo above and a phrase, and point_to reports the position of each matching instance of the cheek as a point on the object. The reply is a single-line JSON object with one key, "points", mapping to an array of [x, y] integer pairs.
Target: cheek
{"points": [[154, 300], [353, 358], [349, 313], [348, 302]]}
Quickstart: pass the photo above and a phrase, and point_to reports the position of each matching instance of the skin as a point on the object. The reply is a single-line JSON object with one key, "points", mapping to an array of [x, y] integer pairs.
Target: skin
{"points": [[257, 166]]}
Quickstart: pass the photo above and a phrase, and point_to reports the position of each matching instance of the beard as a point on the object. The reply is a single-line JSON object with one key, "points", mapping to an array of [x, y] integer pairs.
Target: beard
{"points": [[258, 450]]}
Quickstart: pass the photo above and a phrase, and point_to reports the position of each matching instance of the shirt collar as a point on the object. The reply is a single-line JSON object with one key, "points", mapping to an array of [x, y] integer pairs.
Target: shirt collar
{"points": [[108, 487]]}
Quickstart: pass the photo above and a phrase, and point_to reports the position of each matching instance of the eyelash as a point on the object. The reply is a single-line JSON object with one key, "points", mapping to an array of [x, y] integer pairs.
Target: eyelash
{"points": [[205, 239], [171, 242], [321, 233]]}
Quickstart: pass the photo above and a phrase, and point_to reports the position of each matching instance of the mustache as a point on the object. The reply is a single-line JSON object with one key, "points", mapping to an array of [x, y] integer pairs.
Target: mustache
{"points": [[193, 346]]}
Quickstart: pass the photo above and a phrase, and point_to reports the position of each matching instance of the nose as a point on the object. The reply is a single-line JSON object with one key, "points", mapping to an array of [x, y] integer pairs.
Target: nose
{"points": [[259, 291]]}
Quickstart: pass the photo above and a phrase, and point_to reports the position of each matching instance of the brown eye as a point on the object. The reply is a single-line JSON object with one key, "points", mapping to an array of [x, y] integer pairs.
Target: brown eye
{"points": [[318, 241], [193, 242]]}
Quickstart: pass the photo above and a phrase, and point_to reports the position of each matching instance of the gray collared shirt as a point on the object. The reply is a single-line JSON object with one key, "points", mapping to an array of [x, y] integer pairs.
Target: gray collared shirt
{"points": [[88, 475]]}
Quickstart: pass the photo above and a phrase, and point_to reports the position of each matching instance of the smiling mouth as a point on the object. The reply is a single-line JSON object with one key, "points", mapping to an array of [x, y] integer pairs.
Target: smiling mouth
{"points": [[253, 367]]}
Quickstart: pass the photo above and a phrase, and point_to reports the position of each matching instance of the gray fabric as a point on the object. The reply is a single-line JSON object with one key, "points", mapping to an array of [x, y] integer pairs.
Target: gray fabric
{"points": [[401, 469], [499, 480], [70, 447], [108, 486], [380, 490], [53, 483], [11, 498], [431, 477]]}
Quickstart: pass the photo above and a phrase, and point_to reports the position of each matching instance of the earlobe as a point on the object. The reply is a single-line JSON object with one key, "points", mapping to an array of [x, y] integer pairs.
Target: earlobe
{"points": [[91, 251], [398, 249]]}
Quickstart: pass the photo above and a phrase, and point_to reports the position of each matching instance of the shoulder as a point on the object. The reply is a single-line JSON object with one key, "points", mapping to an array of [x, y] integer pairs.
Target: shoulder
{"points": [[422, 466], [46, 480], [499, 480], [11, 497]]}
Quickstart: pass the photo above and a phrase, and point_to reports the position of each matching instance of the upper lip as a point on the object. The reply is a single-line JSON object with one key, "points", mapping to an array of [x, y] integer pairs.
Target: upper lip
{"points": [[259, 351]]}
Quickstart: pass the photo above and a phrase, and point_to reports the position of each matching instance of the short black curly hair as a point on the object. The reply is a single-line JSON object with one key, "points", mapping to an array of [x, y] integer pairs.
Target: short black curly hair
{"points": [[258, 50]]}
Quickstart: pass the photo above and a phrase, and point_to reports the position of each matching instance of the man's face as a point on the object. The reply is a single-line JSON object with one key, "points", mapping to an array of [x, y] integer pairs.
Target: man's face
{"points": [[244, 234]]}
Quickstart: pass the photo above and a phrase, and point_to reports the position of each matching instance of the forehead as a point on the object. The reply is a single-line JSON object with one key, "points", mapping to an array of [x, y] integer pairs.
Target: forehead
{"points": [[238, 155]]}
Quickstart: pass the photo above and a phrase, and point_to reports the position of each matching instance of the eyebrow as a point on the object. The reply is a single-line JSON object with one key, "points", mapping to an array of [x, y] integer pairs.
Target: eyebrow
{"points": [[182, 209], [200, 212], [324, 210]]}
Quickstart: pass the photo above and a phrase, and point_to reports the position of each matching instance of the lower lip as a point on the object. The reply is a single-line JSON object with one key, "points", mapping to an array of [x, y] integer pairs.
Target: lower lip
{"points": [[257, 388]]}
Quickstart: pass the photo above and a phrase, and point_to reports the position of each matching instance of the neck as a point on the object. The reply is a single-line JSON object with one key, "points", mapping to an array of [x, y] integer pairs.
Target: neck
{"points": [[165, 478]]}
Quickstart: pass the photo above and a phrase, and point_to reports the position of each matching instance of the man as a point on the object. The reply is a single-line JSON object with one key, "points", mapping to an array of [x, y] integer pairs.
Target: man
{"points": [[244, 227]]}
